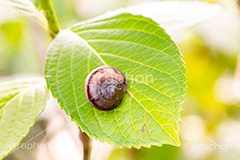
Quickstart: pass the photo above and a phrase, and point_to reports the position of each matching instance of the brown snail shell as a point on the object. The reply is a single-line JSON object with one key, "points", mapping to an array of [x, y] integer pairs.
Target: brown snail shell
{"points": [[104, 87]]}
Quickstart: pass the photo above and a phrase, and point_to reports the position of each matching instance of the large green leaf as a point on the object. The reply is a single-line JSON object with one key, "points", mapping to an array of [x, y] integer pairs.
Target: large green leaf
{"points": [[21, 101], [150, 111]]}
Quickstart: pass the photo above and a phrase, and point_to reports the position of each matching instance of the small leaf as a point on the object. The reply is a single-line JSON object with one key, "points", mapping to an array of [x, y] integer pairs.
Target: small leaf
{"points": [[150, 111], [20, 5], [21, 101]]}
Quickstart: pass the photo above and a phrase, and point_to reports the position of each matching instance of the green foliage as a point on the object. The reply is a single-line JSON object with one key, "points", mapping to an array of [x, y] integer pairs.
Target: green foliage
{"points": [[150, 111], [166, 152], [21, 101], [13, 31], [17, 55], [20, 5]]}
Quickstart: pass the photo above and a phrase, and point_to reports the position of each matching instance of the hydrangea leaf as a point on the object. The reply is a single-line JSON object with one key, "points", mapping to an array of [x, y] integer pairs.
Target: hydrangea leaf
{"points": [[21, 102], [150, 111]]}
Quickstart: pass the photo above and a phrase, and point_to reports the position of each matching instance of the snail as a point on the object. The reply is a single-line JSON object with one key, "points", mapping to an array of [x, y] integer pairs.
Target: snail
{"points": [[104, 87]]}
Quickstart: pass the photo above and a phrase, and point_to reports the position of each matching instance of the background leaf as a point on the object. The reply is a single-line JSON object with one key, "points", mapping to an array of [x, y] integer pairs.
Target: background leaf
{"points": [[21, 101], [20, 5], [172, 15], [137, 46], [27, 8]]}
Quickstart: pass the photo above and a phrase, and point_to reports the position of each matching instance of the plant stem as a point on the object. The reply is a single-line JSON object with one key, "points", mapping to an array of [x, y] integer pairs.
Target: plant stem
{"points": [[86, 145], [51, 17]]}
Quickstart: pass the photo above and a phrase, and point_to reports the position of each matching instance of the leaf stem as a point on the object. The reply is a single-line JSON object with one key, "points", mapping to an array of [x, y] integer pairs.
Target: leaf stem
{"points": [[86, 145], [51, 17]]}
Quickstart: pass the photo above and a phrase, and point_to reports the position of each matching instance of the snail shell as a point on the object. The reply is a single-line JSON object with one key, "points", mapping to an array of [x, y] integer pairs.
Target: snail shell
{"points": [[104, 87]]}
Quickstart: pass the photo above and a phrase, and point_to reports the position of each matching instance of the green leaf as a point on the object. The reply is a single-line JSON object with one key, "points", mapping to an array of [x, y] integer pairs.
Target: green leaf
{"points": [[21, 101], [20, 5], [150, 111]]}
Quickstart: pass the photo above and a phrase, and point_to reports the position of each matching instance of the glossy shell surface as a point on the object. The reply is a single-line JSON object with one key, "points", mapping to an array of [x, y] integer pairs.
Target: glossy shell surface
{"points": [[105, 87]]}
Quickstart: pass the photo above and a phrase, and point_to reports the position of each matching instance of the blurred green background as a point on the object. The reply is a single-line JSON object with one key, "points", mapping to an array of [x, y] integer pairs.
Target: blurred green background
{"points": [[210, 127]]}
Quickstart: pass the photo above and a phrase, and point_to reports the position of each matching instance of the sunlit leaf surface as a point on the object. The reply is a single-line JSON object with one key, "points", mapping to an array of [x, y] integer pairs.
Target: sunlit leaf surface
{"points": [[21, 101], [150, 111]]}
